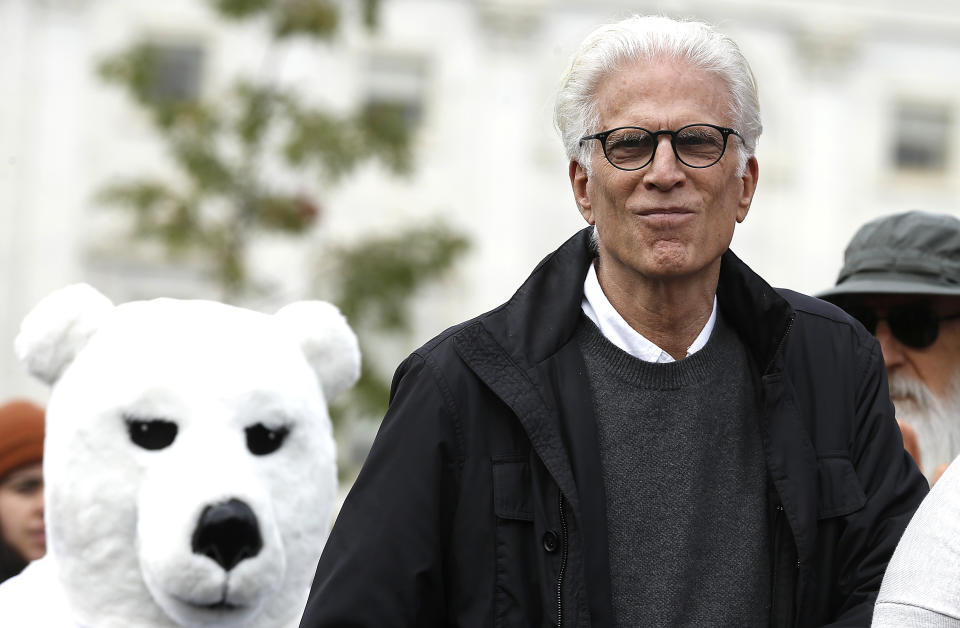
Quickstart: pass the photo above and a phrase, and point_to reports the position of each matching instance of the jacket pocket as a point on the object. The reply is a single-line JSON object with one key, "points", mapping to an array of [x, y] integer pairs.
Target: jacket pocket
{"points": [[840, 490], [517, 599], [512, 495]]}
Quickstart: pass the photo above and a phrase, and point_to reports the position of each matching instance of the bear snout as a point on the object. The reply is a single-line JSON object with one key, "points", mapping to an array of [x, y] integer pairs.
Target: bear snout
{"points": [[228, 533]]}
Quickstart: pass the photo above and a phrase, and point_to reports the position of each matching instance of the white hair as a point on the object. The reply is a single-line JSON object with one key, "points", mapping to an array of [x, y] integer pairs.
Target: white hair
{"points": [[935, 420], [640, 38]]}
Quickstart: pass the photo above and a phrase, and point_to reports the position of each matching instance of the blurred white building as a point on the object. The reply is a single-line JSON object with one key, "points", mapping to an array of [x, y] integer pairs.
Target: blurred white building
{"points": [[860, 99]]}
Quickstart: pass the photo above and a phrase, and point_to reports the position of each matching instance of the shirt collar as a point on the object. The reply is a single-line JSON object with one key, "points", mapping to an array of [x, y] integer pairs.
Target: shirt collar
{"points": [[615, 329]]}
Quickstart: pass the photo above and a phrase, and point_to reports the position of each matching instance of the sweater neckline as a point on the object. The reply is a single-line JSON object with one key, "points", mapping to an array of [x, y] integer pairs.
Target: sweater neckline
{"points": [[691, 370]]}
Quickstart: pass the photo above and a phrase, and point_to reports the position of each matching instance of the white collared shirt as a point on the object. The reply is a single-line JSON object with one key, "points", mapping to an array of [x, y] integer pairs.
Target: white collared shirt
{"points": [[615, 329]]}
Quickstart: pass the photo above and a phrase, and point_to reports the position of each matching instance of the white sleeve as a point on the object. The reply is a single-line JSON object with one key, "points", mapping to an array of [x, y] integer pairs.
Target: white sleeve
{"points": [[921, 586]]}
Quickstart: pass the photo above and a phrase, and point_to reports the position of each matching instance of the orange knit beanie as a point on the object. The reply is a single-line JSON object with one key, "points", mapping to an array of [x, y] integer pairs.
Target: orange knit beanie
{"points": [[21, 435]]}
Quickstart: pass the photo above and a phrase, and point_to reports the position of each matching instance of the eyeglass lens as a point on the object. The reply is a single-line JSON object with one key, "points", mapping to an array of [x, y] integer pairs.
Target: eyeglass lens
{"points": [[916, 325], [696, 145]]}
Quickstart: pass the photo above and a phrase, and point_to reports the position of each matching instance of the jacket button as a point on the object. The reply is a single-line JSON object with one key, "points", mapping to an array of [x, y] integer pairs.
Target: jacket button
{"points": [[551, 541]]}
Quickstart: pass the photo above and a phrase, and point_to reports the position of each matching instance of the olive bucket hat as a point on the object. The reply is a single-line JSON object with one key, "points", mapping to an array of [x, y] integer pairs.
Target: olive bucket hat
{"points": [[910, 253]]}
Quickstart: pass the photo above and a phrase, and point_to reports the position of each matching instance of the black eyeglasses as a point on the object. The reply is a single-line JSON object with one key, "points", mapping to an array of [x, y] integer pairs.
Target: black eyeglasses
{"points": [[633, 147], [915, 325]]}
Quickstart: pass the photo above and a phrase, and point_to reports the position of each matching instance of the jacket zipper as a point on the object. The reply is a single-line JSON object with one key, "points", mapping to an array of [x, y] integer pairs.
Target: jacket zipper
{"points": [[779, 511], [776, 552], [563, 563], [783, 340]]}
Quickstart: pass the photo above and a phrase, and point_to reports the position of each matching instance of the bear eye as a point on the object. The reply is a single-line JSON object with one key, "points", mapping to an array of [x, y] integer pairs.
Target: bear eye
{"points": [[151, 433], [262, 440]]}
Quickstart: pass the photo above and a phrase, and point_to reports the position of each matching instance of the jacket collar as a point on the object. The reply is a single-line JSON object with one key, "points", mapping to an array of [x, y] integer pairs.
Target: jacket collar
{"points": [[760, 315], [544, 312]]}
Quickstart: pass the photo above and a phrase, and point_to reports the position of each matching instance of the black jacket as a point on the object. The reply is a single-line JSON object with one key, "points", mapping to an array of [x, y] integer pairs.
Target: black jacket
{"points": [[481, 502]]}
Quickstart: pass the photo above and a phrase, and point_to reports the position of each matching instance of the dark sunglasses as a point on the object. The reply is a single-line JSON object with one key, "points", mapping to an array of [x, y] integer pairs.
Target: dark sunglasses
{"points": [[915, 325]]}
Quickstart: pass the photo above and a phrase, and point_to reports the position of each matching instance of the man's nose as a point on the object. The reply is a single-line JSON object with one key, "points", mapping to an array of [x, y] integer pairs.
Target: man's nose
{"points": [[665, 171], [893, 350]]}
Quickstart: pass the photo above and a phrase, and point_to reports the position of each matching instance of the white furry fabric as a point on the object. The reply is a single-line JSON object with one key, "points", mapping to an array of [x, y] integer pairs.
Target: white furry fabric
{"points": [[34, 599], [123, 504], [58, 328]]}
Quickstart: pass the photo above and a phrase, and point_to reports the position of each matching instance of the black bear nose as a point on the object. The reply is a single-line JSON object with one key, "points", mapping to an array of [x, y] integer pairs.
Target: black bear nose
{"points": [[228, 533]]}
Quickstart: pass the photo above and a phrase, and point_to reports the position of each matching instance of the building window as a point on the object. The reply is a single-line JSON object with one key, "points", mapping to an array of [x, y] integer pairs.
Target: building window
{"points": [[922, 137], [175, 71]]}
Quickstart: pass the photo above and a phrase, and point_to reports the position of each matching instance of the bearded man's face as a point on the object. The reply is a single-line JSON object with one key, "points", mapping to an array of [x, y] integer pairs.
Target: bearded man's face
{"points": [[920, 339]]}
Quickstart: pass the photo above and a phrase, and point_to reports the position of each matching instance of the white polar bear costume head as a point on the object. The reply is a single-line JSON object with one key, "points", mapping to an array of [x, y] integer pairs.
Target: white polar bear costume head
{"points": [[189, 465]]}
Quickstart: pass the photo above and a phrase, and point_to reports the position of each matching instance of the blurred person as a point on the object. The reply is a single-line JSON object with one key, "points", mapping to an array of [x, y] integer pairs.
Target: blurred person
{"points": [[22, 537], [646, 433], [901, 279]]}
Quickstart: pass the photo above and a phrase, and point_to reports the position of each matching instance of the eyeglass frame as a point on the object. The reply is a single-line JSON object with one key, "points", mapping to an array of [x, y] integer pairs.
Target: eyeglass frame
{"points": [[934, 319], [726, 132]]}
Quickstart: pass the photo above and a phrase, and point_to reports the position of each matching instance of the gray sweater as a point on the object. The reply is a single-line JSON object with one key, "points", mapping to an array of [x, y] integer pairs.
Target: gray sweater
{"points": [[685, 483]]}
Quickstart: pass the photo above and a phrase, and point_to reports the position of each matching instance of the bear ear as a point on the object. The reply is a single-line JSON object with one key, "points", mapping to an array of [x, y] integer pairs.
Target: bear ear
{"points": [[57, 328], [327, 341]]}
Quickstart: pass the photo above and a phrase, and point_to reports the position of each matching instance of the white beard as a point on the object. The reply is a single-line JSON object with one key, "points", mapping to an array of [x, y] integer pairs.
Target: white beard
{"points": [[936, 421]]}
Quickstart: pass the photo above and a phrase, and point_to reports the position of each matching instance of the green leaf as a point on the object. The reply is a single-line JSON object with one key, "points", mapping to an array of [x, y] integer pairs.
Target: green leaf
{"points": [[317, 18], [371, 12], [292, 214], [379, 276], [160, 213], [317, 138], [134, 69], [208, 171], [139, 194], [386, 134], [256, 105], [239, 9]]}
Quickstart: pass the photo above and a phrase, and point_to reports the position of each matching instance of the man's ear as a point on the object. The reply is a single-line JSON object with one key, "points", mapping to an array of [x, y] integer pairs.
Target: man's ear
{"points": [[748, 182], [578, 181]]}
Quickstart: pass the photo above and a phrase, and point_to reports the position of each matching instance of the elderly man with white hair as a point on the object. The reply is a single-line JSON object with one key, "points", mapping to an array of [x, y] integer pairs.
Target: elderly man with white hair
{"points": [[646, 433], [901, 279]]}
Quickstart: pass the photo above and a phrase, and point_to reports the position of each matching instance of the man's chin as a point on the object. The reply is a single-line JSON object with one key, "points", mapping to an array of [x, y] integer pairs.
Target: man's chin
{"points": [[936, 424]]}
